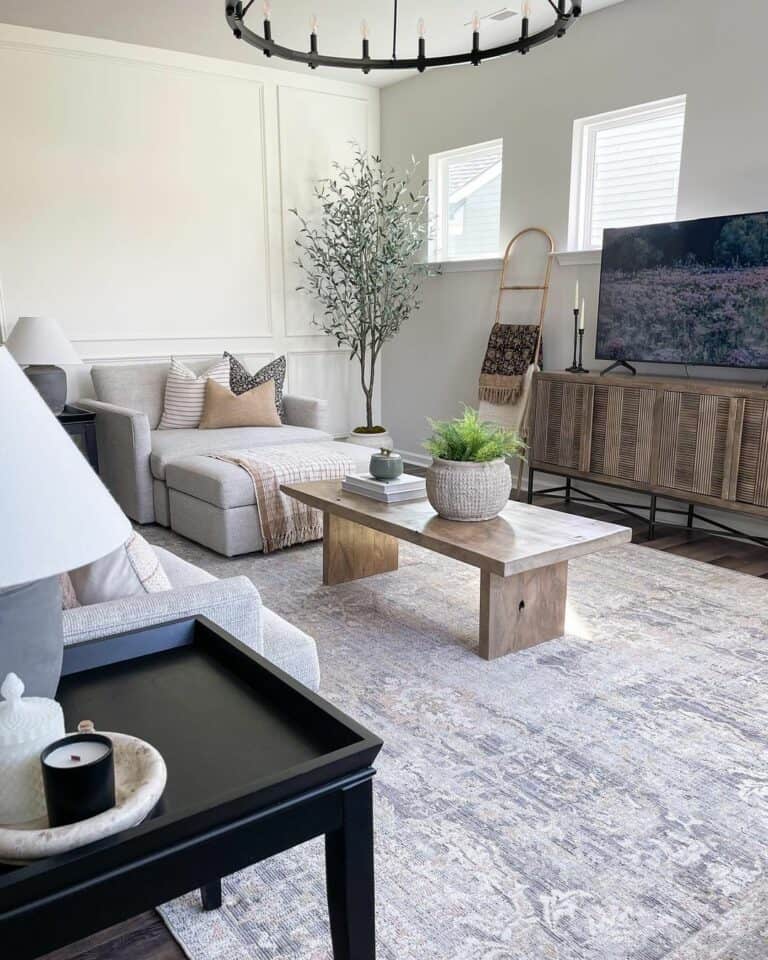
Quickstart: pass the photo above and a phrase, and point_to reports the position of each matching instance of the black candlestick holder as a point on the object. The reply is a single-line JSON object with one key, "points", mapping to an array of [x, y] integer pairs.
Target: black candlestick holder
{"points": [[575, 367], [581, 368], [578, 346]]}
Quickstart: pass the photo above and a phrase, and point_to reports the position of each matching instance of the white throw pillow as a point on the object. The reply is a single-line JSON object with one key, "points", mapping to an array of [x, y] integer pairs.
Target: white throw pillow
{"points": [[185, 393], [131, 570]]}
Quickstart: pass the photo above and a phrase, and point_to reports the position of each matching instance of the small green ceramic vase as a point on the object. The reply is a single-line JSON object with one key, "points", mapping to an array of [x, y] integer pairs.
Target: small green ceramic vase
{"points": [[386, 465]]}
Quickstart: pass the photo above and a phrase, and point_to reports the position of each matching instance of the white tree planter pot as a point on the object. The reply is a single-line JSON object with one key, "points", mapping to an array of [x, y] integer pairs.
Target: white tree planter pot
{"points": [[461, 490], [375, 440]]}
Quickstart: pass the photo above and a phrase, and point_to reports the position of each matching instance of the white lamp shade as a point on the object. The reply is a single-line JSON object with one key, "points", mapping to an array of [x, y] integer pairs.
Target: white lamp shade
{"points": [[40, 340], [55, 513]]}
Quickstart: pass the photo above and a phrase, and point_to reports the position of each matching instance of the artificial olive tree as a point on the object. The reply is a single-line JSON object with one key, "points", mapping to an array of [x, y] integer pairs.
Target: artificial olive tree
{"points": [[359, 258]]}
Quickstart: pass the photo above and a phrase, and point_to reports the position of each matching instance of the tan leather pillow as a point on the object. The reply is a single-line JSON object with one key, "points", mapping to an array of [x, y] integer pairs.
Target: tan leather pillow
{"points": [[254, 408]]}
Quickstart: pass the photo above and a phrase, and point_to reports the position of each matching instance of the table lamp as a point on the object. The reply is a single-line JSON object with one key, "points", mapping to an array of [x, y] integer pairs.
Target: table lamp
{"points": [[39, 344], [55, 515]]}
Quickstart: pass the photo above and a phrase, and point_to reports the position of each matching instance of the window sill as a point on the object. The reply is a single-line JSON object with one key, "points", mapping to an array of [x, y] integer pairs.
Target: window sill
{"points": [[579, 258], [566, 258], [438, 268]]}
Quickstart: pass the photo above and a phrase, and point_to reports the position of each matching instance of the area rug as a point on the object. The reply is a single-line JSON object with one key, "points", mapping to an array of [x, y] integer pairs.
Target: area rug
{"points": [[599, 797]]}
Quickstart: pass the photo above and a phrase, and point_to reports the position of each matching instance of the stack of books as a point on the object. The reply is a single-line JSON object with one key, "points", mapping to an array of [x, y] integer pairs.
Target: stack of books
{"points": [[405, 487]]}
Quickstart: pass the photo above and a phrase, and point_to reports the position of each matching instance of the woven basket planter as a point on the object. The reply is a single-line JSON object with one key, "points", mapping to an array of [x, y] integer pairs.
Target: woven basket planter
{"points": [[463, 490]]}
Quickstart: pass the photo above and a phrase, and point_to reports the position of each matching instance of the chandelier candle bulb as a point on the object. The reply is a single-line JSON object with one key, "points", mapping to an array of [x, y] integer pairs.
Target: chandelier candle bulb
{"points": [[313, 40], [366, 45]]}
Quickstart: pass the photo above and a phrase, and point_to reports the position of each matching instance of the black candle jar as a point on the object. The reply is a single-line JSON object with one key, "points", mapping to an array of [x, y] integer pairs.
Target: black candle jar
{"points": [[78, 777]]}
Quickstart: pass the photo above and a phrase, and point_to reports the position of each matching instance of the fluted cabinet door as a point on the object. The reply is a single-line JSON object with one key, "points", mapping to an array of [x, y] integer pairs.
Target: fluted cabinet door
{"points": [[752, 471], [693, 443], [562, 423], [622, 432]]}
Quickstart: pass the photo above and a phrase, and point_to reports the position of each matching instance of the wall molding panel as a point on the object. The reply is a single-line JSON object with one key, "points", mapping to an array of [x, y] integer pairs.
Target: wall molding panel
{"points": [[145, 196]]}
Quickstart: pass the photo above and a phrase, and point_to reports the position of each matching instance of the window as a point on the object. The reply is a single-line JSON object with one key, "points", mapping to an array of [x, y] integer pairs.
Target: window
{"points": [[625, 169], [465, 202]]}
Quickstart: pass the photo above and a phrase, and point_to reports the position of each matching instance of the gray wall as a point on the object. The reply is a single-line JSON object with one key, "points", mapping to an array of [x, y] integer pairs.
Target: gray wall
{"points": [[635, 52]]}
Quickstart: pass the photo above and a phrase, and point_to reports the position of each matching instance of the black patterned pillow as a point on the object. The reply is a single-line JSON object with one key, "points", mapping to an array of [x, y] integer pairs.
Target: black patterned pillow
{"points": [[241, 378]]}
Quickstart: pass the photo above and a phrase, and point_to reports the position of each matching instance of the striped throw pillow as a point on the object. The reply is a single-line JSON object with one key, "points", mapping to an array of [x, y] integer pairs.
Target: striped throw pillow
{"points": [[185, 393]]}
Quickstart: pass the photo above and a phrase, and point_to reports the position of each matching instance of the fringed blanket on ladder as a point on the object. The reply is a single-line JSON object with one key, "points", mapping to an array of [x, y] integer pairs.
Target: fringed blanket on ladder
{"points": [[510, 351]]}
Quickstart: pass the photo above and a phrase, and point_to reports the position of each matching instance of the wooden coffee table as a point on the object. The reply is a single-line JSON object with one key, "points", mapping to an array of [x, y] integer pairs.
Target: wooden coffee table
{"points": [[522, 554]]}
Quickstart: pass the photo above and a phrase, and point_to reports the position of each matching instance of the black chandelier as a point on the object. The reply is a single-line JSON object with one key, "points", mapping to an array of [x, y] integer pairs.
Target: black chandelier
{"points": [[236, 13]]}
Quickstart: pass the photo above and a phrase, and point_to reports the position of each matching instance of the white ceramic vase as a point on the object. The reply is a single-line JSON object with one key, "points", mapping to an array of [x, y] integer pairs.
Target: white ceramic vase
{"points": [[464, 490]]}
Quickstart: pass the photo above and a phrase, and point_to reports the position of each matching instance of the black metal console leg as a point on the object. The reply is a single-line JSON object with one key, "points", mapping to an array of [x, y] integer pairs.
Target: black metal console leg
{"points": [[349, 878], [210, 894], [530, 485], [567, 489], [652, 518], [689, 523]]}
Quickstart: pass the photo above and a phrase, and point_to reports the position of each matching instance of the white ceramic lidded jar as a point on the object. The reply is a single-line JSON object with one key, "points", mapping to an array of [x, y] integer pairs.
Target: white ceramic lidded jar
{"points": [[27, 725]]}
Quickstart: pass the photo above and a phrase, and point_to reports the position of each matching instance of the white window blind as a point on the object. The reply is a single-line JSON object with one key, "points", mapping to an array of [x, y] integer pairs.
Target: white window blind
{"points": [[465, 202], [625, 169]]}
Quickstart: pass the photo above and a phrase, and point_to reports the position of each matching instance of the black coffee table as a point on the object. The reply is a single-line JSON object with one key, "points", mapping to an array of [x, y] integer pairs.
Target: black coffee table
{"points": [[257, 763]]}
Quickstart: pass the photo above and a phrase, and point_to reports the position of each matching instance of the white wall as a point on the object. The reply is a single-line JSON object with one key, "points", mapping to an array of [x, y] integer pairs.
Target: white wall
{"points": [[635, 52], [144, 200]]}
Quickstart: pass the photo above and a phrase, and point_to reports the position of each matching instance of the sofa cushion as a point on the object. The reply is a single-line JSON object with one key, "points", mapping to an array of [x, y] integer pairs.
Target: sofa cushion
{"points": [[136, 386], [170, 445], [216, 481], [226, 485]]}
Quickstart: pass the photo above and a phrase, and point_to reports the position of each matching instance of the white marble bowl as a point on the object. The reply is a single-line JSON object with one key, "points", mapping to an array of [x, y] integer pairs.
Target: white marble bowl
{"points": [[140, 776]]}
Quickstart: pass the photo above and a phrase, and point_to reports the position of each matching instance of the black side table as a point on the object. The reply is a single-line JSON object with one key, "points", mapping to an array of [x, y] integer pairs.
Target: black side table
{"points": [[257, 763], [81, 425]]}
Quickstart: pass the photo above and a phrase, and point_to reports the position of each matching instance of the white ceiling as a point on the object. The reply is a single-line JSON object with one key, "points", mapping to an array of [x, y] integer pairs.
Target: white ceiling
{"points": [[198, 26]]}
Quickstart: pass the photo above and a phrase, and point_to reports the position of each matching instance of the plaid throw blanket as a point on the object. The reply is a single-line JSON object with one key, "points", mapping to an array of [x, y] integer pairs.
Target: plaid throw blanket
{"points": [[283, 520], [508, 355]]}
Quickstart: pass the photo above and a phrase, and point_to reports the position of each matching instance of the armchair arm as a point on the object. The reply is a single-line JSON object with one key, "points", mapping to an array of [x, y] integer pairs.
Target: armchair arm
{"points": [[124, 443], [234, 604], [305, 412]]}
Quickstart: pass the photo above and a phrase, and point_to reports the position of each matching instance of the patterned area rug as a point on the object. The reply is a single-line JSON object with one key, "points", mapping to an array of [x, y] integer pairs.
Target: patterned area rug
{"points": [[599, 797]]}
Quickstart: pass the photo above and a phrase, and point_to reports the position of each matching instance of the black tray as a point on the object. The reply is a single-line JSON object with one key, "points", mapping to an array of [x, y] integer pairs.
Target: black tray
{"points": [[237, 735]]}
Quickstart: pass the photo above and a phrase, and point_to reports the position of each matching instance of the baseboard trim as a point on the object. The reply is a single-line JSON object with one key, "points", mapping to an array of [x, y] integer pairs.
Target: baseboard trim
{"points": [[418, 459]]}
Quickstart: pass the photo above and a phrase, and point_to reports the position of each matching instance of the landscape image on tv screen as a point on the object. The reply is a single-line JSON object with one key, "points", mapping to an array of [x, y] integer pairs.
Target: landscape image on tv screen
{"points": [[693, 292]]}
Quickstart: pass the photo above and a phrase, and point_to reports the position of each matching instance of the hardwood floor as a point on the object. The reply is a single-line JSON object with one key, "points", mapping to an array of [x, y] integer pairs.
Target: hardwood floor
{"points": [[142, 938], [146, 938], [701, 545]]}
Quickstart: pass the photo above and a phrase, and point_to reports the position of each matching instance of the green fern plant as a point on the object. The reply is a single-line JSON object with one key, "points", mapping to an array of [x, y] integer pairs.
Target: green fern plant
{"points": [[468, 438]]}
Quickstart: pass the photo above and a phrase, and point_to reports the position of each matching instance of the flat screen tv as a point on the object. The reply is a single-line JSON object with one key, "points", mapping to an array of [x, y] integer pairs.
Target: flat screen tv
{"points": [[691, 292]]}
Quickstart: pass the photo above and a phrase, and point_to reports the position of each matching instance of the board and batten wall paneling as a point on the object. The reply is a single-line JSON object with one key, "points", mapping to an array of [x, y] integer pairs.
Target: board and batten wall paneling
{"points": [[317, 373], [143, 199], [123, 188], [315, 131]]}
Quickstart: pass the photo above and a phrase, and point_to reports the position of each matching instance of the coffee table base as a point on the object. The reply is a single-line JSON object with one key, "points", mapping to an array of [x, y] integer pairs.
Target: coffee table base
{"points": [[352, 551], [516, 612], [520, 611]]}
